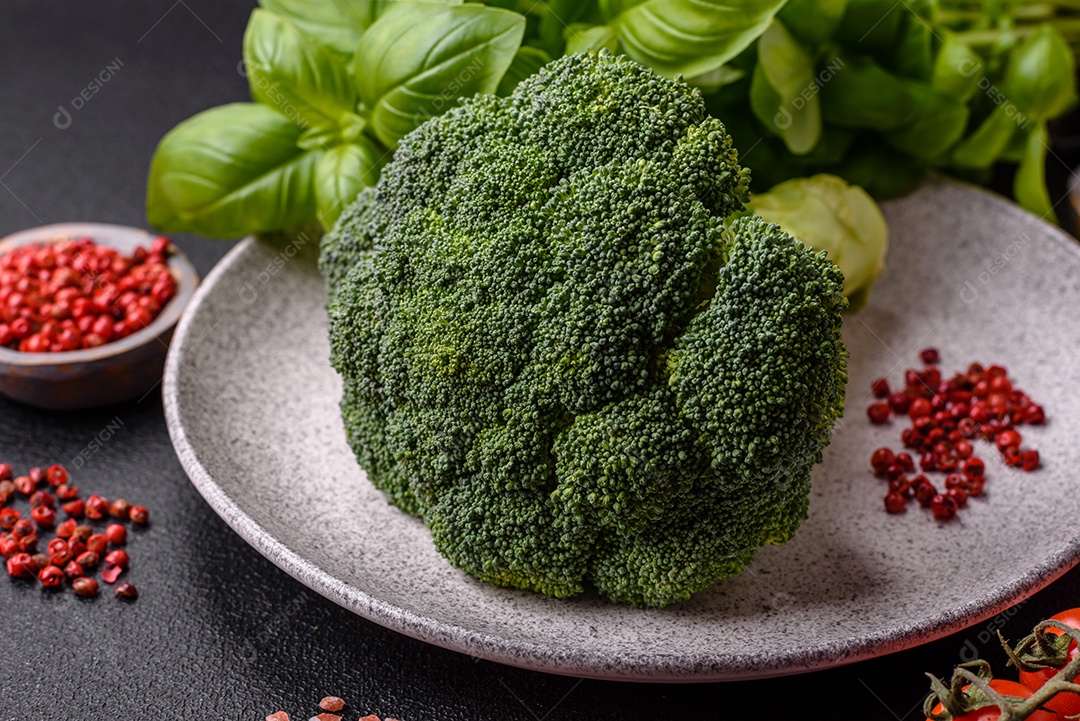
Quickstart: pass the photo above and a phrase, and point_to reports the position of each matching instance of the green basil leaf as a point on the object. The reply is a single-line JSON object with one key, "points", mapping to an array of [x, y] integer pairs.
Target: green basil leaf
{"points": [[564, 14], [986, 145], [341, 173], [230, 171], [325, 21], [793, 109], [690, 37], [957, 69], [594, 38], [940, 123], [712, 81], [301, 79], [419, 59], [1040, 75], [1030, 183], [526, 62], [813, 21], [913, 52], [871, 24], [862, 94]]}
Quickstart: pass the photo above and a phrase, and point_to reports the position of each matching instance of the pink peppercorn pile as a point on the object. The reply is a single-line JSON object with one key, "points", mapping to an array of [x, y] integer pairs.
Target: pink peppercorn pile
{"points": [[946, 416], [73, 294], [76, 551]]}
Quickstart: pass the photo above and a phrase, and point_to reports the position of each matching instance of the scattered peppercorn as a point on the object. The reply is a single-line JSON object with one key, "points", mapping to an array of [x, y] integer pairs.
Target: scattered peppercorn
{"points": [[127, 591], [73, 293], [75, 551], [945, 414], [85, 587]]}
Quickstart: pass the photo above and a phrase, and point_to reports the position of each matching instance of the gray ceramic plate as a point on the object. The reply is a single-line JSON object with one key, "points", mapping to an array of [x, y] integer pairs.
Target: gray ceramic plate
{"points": [[252, 407]]}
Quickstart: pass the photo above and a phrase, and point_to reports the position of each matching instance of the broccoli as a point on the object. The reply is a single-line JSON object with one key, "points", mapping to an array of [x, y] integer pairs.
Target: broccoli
{"points": [[557, 354]]}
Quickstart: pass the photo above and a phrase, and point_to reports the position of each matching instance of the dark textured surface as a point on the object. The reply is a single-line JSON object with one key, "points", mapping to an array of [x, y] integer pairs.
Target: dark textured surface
{"points": [[219, 632]]}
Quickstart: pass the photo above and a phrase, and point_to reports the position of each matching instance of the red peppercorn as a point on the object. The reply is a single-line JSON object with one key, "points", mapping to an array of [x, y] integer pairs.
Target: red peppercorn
{"points": [[1034, 414], [959, 494], [905, 461], [924, 493], [29, 543], [22, 527], [85, 587], [8, 546], [1005, 439], [963, 449], [20, 565], [59, 551], [43, 498], [974, 467], [97, 543], [97, 507], [929, 355], [118, 558], [56, 475], [880, 388], [920, 408], [51, 577], [88, 560], [943, 507], [127, 592], [67, 492], [893, 472], [976, 486], [955, 480], [8, 518], [120, 509], [881, 459], [24, 485], [139, 515], [1030, 460], [37, 475], [6, 472], [7, 490], [1013, 456], [44, 516], [879, 413], [895, 503], [899, 402], [82, 533], [116, 534], [74, 509], [73, 570], [40, 560]]}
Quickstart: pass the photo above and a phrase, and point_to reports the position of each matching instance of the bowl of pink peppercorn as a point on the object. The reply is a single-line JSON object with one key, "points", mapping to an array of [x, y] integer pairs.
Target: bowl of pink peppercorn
{"points": [[87, 311]]}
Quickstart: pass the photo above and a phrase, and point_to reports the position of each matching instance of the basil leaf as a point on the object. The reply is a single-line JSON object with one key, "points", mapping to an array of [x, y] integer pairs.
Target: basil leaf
{"points": [[690, 37], [419, 59], [871, 24], [301, 79], [326, 22], [1029, 185], [862, 94], [563, 14], [526, 62], [957, 69], [341, 173], [913, 53], [1040, 75], [784, 91], [813, 21], [594, 38], [230, 171], [985, 146], [939, 124]]}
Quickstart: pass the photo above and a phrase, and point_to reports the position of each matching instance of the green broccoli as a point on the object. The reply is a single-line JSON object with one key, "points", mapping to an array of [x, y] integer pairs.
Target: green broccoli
{"points": [[555, 353]]}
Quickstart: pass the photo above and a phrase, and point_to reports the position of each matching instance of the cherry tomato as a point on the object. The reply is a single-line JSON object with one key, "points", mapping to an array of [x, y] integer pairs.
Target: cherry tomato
{"points": [[1064, 704], [992, 713]]}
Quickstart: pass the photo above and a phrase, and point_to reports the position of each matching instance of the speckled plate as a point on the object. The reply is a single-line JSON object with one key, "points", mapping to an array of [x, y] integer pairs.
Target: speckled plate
{"points": [[252, 407]]}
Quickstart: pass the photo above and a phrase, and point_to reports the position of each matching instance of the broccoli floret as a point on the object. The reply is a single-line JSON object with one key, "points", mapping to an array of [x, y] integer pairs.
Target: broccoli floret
{"points": [[557, 354]]}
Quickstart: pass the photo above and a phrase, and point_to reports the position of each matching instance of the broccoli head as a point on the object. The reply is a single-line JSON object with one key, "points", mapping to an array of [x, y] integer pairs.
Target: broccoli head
{"points": [[557, 354]]}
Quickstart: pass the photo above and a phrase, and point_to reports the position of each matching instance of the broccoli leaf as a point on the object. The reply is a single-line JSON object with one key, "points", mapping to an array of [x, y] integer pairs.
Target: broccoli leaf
{"points": [[690, 37]]}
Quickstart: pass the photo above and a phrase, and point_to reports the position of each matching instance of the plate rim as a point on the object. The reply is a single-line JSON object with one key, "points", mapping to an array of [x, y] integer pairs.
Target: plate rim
{"points": [[645, 667]]}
